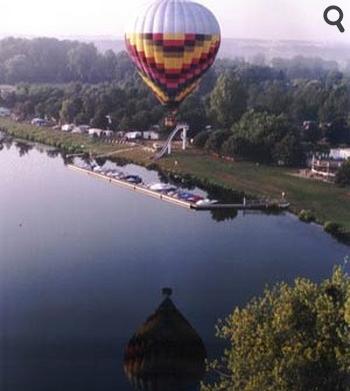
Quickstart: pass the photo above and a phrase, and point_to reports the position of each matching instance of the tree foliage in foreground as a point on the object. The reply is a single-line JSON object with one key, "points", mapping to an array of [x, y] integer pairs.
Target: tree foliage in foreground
{"points": [[293, 338]]}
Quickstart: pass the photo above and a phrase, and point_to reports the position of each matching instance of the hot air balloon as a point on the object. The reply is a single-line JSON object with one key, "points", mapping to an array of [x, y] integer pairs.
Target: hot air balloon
{"points": [[173, 43]]}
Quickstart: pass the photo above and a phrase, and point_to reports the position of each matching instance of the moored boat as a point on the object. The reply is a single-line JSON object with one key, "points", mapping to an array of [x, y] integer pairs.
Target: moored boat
{"points": [[135, 179], [162, 188], [97, 169], [206, 202]]}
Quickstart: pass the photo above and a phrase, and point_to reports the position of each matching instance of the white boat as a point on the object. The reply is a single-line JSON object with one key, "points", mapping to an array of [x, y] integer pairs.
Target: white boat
{"points": [[118, 175], [206, 202], [97, 169], [162, 187], [107, 172]]}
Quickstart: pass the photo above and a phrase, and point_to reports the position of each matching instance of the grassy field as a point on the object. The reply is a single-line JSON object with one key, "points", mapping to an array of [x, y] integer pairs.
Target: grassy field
{"points": [[72, 143], [327, 201]]}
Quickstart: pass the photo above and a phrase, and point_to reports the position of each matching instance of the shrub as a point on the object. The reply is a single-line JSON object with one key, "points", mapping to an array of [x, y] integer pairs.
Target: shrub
{"points": [[332, 228], [201, 139], [343, 175], [216, 140], [306, 216]]}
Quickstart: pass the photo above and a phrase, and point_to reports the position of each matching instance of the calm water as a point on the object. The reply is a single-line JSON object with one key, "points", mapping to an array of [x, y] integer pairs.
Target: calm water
{"points": [[82, 263]]}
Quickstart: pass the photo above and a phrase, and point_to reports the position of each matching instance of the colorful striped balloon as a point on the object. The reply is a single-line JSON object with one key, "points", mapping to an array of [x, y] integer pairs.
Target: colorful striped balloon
{"points": [[173, 43]]}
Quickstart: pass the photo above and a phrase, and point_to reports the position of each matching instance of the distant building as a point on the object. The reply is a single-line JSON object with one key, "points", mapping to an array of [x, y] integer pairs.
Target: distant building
{"points": [[340, 154], [120, 134], [77, 130], [95, 132], [4, 112], [39, 122], [325, 167], [6, 90], [81, 129], [67, 127], [150, 135], [133, 135], [107, 133], [155, 128]]}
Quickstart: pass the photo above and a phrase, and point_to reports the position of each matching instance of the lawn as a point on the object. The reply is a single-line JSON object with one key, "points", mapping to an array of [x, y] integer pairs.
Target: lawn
{"points": [[72, 143], [328, 202]]}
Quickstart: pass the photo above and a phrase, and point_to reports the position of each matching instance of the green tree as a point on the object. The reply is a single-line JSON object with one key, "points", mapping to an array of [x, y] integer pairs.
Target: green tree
{"points": [[228, 100], [261, 137], [192, 111], [337, 132], [313, 133], [216, 140], [307, 98], [271, 96], [201, 139], [343, 175], [70, 109], [17, 69], [337, 103], [289, 151], [293, 338]]}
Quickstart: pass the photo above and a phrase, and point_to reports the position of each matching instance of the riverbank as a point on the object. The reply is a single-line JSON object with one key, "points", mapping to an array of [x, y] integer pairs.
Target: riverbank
{"points": [[325, 202], [72, 143]]}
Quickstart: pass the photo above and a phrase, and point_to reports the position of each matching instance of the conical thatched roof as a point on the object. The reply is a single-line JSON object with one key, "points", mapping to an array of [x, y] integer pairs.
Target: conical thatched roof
{"points": [[166, 353]]}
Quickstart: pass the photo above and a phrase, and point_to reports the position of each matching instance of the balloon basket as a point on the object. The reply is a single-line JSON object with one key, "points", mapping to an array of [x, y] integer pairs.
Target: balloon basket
{"points": [[170, 121]]}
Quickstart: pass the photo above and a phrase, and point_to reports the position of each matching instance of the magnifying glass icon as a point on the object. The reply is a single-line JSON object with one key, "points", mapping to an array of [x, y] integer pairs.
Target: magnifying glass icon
{"points": [[338, 21]]}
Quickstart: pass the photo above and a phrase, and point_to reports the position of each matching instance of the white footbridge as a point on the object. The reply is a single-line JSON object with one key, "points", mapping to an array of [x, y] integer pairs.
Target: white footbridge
{"points": [[184, 128]]}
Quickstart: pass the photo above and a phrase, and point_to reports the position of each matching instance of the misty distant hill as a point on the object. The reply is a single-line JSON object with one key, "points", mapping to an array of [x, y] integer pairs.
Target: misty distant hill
{"points": [[255, 50], [252, 50], [104, 44]]}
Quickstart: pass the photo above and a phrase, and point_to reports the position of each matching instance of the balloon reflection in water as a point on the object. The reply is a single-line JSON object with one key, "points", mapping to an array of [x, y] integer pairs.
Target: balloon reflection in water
{"points": [[166, 353]]}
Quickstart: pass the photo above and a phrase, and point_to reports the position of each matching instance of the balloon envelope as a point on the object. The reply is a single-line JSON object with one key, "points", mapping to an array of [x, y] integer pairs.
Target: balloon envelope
{"points": [[173, 43]]}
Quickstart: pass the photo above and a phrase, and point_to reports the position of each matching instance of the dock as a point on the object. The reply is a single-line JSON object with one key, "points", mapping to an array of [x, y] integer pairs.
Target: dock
{"points": [[137, 188], [248, 205]]}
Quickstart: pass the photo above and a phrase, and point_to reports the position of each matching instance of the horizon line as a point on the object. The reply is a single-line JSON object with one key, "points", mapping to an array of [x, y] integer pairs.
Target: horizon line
{"points": [[111, 37]]}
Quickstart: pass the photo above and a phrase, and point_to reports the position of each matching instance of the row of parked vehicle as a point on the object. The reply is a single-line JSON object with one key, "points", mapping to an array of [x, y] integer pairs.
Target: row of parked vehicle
{"points": [[115, 174], [166, 189], [173, 191]]}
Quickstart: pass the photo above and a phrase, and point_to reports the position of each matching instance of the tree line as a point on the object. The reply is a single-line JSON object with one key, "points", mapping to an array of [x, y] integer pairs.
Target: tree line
{"points": [[49, 60], [273, 113]]}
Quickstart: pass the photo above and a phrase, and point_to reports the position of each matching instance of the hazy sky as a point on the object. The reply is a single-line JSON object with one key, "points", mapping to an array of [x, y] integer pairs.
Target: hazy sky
{"points": [[268, 19]]}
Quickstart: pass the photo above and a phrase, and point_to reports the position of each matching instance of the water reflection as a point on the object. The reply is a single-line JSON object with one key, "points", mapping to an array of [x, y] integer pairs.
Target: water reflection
{"points": [[23, 148], [150, 174], [68, 277], [166, 353], [53, 153], [221, 215], [5, 141]]}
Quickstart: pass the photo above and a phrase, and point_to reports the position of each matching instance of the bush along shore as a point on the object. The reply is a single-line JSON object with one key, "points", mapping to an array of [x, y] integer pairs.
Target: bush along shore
{"points": [[313, 201]]}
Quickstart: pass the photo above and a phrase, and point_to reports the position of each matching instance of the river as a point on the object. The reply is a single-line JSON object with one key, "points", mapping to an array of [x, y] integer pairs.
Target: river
{"points": [[83, 262]]}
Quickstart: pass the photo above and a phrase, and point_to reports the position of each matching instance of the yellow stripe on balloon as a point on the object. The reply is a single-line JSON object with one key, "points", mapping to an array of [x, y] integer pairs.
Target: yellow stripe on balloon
{"points": [[162, 97]]}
